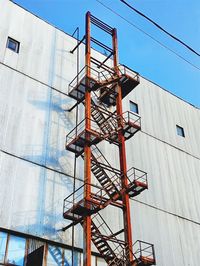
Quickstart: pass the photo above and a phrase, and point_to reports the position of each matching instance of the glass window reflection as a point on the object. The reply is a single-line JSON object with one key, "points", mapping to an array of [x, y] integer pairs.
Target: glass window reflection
{"points": [[3, 239], [16, 251], [55, 256]]}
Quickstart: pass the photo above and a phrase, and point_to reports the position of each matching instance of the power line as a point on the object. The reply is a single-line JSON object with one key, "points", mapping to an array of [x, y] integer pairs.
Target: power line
{"points": [[147, 34], [161, 28]]}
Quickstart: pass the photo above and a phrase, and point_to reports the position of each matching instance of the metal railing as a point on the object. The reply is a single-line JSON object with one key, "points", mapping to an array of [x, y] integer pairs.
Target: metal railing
{"points": [[78, 196], [131, 118], [124, 70], [100, 157], [94, 74], [80, 129], [128, 118], [123, 257], [134, 174], [142, 249], [101, 76]]}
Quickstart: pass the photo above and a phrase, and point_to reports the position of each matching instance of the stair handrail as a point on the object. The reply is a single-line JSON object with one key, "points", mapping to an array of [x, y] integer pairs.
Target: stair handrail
{"points": [[111, 117], [123, 254], [110, 231], [102, 104], [101, 154]]}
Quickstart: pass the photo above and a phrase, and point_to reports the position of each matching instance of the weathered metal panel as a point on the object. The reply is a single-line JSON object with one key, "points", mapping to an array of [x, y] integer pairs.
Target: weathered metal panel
{"points": [[31, 199], [162, 111], [44, 50], [172, 175], [34, 123], [176, 240]]}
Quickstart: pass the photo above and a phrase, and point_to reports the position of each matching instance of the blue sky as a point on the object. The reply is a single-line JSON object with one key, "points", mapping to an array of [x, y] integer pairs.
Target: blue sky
{"points": [[137, 50]]}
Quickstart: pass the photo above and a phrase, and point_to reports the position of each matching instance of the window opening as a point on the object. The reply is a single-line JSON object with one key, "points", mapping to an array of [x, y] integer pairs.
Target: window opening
{"points": [[134, 107], [180, 131], [13, 45]]}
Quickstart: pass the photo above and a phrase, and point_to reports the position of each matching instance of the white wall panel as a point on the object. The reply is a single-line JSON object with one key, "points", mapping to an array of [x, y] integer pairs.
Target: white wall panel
{"points": [[44, 50], [34, 121], [172, 175], [162, 111], [34, 124], [31, 200], [176, 240]]}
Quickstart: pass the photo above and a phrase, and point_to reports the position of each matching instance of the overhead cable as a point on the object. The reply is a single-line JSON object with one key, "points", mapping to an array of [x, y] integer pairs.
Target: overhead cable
{"points": [[147, 34], [161, 28]]}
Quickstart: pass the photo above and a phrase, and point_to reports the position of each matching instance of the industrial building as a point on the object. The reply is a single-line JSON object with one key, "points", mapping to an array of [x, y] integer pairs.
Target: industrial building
{"points": [[42, 102]]}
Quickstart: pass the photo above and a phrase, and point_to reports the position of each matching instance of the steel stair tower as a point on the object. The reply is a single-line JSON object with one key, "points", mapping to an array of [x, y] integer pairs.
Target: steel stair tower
{"points": [[101, 88]]}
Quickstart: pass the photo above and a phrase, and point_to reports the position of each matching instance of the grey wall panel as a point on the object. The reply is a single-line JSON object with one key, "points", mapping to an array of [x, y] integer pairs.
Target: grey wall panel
{"points": [[176, 240], [172, 175], [31, 199], [162, 111], [34, 123], [44, 51]]}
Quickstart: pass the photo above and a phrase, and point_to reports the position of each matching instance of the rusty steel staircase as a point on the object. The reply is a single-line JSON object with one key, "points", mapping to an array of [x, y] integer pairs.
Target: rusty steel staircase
{"points": [[101, 88], [108, 176], [107, 122], [107, 243]]}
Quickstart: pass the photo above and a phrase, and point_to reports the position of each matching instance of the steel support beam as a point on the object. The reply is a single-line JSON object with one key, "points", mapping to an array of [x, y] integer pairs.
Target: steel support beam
{"points": [[87, 150], [122, 154]]}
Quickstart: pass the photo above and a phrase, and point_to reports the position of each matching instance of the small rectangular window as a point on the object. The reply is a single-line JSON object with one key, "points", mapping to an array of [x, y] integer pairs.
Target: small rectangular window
{"points": [[13, 45], [180, 131], [134, 107]]}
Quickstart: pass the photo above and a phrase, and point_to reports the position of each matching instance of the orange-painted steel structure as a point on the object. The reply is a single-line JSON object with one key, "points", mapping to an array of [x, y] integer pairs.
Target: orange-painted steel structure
{"points": [[87, 152], [99, 86]]}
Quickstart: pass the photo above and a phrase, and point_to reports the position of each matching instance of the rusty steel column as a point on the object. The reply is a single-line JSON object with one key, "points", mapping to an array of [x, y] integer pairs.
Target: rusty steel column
{"points": [[122, 155], [87, 151]]}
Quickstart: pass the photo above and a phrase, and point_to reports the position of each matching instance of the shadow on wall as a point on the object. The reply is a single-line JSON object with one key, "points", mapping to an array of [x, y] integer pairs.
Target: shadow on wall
{"points": [[51, 153]]}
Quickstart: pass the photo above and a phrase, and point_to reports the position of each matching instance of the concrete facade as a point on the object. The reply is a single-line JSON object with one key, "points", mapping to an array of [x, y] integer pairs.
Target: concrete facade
{"points": [[36, 172]]}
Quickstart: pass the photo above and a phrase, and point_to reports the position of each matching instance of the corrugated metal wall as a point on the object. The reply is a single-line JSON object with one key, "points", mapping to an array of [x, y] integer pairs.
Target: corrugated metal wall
{"points": [[36, 170]]}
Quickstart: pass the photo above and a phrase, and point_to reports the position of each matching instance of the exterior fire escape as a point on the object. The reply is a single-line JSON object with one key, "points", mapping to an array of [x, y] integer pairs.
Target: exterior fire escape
{"points": [[100, 89]]}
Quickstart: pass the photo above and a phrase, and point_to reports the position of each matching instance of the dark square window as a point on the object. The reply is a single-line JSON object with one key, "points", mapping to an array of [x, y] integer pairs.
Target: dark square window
{"points": [[180, 131], [134, 107], [13, 45]]}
